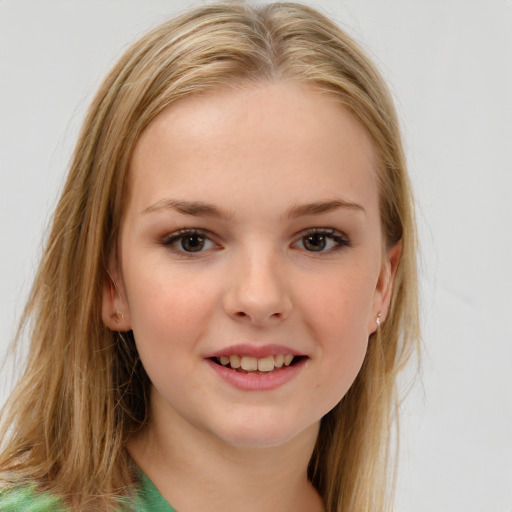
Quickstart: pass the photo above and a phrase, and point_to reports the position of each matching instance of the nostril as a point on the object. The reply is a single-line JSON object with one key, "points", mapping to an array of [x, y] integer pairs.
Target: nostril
{"points": [[255, 317]]}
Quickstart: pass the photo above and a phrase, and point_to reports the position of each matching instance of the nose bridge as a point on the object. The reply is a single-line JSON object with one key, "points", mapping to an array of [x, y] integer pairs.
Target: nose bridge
{"points": [[258, 290]]}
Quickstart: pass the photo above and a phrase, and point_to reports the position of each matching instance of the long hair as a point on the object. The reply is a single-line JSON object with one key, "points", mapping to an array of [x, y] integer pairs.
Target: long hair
{"points": [[84, 392]]}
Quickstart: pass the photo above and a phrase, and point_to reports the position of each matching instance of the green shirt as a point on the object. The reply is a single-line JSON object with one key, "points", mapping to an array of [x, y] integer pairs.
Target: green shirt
{"points": [[26, 499], [149, 499]]}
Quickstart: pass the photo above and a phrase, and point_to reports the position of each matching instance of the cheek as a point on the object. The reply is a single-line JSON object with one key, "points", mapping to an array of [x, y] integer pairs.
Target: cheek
{"points": [[168, 310], [337, 316], [340, 305]]}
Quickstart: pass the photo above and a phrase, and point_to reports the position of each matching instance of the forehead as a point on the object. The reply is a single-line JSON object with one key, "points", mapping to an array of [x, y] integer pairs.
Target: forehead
{"points": [[272, 139]]}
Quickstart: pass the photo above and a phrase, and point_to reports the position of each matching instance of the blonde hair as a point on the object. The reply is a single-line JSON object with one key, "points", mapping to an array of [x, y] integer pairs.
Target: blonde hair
{"points": [[84, 392]]}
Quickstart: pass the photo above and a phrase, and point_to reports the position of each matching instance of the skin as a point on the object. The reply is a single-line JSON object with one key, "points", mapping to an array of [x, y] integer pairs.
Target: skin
{"points": [[258, 154]]}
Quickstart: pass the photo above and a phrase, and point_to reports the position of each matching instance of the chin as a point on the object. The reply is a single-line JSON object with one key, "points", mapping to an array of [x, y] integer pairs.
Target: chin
{"points": [[270, 434]]}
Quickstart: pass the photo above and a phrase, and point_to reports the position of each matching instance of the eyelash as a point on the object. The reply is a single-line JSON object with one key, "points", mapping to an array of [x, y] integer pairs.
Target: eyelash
{"points": [[340, 240], [171, 240]]}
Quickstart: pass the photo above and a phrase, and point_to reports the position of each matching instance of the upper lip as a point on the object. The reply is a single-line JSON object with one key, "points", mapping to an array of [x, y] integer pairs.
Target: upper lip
{"points": [[258, 351]]}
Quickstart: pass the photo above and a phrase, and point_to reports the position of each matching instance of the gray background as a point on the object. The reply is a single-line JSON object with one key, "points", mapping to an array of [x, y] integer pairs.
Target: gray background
{"points": [[449, 64]]}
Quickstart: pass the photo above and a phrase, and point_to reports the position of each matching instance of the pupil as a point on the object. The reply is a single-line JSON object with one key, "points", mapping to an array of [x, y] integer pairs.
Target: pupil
{"points": [[192, 243], [315, 242]]}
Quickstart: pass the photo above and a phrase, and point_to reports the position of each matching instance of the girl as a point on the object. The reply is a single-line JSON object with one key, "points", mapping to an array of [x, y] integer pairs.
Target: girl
{"points": [[229, 286]]}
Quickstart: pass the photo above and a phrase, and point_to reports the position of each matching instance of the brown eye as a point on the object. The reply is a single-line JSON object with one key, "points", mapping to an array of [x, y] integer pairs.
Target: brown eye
{"points": [[322, 240], [189, 241], [192, 243], [315, 243]]}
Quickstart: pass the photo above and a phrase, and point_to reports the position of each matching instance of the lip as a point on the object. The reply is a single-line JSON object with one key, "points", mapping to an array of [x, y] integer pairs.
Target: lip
{"points": [[257, 382], [254, 351]]}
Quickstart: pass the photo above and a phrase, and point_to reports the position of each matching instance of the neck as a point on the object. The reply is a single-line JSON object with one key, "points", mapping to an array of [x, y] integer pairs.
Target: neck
{"points": [[194, 470]]}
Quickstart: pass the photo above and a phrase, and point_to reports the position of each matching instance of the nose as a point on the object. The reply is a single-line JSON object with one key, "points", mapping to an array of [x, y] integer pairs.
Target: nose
{"points": [[257, 290]]}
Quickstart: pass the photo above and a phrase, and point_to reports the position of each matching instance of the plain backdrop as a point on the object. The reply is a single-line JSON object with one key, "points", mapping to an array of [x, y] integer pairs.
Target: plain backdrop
{"points": [[449, 64]]}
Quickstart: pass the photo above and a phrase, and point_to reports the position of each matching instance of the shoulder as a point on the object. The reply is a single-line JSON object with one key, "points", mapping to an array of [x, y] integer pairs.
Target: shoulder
{"points": [[26, 499]]}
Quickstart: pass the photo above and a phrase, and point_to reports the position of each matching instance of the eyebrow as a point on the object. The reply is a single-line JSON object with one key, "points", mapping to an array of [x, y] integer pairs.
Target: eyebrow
{"points": [[195, 208], [322, 207], [201, 209]]}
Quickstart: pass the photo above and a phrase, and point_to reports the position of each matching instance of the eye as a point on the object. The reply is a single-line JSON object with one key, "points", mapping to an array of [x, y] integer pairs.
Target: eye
{"points": [[322, 240], [189, 241]]}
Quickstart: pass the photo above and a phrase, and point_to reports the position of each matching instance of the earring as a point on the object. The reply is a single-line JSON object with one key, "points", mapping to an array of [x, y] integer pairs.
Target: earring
{"points": [[378, 321], [118, 315]]}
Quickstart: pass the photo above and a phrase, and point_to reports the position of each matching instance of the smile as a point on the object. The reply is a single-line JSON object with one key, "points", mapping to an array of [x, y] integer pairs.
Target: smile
{"points": [[255, 364], [257, 367], [255, 379]]}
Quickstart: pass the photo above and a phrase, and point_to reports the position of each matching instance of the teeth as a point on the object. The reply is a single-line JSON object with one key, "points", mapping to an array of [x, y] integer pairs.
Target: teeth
{"points": [[288, 358], [266, 364], [278, 360], [251, 364], [234, 361]]}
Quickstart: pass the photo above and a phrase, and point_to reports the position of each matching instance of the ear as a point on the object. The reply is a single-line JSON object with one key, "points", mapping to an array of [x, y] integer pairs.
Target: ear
{"points": [[384, 288], [114, 308]]}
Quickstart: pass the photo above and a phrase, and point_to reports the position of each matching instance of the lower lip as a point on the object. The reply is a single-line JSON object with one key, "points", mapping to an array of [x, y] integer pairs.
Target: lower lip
{"points": [[257, 382]]}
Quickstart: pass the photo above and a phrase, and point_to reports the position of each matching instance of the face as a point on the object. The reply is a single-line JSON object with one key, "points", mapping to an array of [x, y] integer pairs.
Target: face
{"points": [[251, 239]]}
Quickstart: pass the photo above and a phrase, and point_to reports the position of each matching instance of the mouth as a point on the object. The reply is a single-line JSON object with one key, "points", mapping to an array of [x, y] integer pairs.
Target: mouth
{"points": [[257, 365]]}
